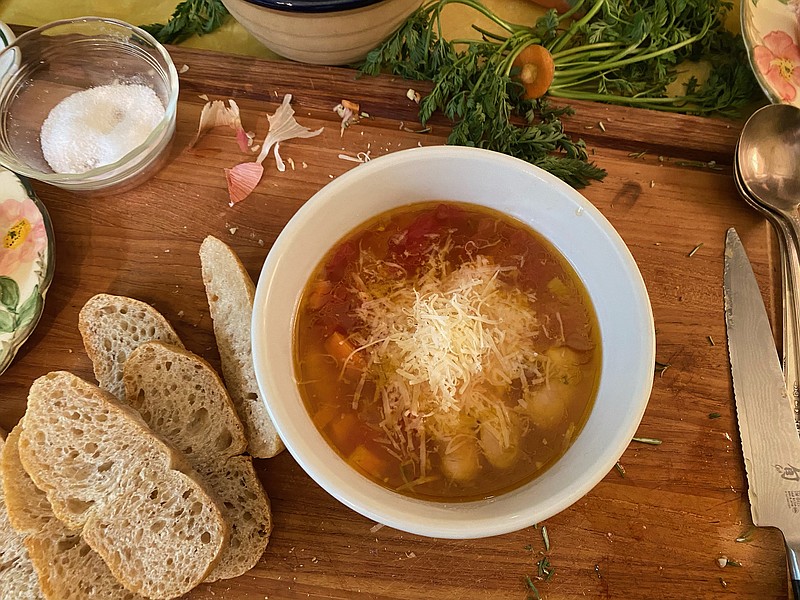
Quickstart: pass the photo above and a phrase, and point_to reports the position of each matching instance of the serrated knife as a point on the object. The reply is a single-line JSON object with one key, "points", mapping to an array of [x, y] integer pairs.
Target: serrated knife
{"points": [[770, 443]]}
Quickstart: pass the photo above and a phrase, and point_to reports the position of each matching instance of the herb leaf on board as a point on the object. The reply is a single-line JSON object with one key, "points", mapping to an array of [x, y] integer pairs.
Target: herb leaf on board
{"points": [[191, 17]]}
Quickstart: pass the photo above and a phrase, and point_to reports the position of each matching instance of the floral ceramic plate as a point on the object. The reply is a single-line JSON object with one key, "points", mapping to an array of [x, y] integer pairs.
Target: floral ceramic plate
{"points": [[771, 31], [8, 62], [26, 262]]}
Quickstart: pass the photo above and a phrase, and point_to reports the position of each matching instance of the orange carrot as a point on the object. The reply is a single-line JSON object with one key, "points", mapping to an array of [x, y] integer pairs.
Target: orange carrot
{"points": [[537, 70], [365, 459], [561, 6], [325, 415], [344, 431], [338, 346]]}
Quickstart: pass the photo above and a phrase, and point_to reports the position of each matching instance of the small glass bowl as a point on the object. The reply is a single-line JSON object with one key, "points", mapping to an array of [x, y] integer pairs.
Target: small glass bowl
{"points": [[58, 59]]}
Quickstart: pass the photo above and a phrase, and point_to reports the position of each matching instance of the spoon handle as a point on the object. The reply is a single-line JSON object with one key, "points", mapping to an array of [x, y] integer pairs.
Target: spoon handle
{"points": [[791, 311], [789, 236]]}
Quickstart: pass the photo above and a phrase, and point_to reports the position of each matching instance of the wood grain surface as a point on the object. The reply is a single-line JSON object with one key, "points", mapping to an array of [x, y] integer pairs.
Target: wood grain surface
{"points": [[657, 532]]}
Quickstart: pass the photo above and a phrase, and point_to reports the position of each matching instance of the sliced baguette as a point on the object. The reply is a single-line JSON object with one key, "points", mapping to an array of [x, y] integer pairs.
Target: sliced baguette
{"points": [[112, 327], [28, 508], [135, 500], [66, 567], [18, 579], [181, 397], [230, 293]]}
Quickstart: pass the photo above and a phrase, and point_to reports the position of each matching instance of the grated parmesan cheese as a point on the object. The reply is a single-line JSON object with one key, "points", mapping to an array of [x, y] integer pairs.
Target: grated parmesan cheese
{"points": [[442, 348]]}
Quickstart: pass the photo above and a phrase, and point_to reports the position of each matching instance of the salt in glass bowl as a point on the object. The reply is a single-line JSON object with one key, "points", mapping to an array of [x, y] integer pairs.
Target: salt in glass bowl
{"points": [[61, 58]]}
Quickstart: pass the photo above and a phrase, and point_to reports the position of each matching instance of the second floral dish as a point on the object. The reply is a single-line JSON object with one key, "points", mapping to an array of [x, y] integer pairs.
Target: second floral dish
{"points": [[26, 263], [771, 32]]}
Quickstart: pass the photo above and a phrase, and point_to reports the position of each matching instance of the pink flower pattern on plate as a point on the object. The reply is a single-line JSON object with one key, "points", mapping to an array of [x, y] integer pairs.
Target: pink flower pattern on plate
{"points": [[22, 235], [779, 61]]}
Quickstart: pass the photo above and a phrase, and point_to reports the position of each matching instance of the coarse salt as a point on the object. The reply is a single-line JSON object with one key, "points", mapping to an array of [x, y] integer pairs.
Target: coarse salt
{"points": [[98, 126]]}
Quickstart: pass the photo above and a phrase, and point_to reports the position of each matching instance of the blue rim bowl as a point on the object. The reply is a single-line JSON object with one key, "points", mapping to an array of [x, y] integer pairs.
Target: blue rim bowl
{"points": [[313, 6]]}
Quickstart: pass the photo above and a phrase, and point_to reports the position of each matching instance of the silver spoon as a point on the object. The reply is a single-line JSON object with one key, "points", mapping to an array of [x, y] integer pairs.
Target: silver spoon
{"points": [[768, 164], [791, 318], [767, 171]]}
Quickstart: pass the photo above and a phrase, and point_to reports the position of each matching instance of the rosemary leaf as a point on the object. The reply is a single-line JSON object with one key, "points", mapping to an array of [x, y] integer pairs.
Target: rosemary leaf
{"points": [[534, 593], [650, 441]]}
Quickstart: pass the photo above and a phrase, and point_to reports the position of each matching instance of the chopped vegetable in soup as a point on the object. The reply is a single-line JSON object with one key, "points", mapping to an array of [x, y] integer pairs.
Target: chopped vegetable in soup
{"points": [[446, 351]]}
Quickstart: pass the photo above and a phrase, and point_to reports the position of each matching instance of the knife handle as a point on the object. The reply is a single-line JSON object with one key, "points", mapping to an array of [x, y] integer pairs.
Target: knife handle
{"points": [[794, 570]]}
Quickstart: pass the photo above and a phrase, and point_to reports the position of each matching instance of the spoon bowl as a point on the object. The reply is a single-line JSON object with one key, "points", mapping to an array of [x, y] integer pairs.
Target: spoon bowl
{"points": [[768, 157]]}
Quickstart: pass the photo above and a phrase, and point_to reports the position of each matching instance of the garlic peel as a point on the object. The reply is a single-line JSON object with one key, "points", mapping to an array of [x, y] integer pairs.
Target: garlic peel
{"points": [[216, 114], [242, 180], [283, 126]]}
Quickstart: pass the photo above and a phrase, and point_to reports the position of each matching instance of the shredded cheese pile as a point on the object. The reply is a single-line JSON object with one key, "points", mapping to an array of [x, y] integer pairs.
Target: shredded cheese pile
{"points": [[444, 349]]}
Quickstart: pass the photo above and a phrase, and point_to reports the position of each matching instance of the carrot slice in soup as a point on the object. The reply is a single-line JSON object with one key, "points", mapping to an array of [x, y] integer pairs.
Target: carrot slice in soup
{"points": [[338, 346], [344, 431], [364, 458]]}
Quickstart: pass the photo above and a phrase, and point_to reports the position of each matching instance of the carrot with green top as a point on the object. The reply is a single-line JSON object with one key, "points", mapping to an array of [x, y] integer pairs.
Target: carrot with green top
{"points": [[496, 89], [536, 70]]}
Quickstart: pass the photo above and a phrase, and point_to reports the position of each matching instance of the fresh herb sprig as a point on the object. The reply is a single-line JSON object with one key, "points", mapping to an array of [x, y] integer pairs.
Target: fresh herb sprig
{"points": [[607, 50], [191, 17], [631, 53], [475, 88]]}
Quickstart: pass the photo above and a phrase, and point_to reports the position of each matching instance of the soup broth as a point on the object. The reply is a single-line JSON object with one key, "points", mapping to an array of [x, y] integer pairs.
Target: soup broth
{"points": [[446, 351]]}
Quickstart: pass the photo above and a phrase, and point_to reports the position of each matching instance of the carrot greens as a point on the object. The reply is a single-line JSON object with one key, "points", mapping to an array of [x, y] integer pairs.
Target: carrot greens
{"points": [[616, 51], [191, 17]]}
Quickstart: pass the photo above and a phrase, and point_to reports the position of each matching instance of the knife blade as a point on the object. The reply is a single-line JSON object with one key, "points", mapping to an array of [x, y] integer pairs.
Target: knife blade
{"points": [[770, 444]]}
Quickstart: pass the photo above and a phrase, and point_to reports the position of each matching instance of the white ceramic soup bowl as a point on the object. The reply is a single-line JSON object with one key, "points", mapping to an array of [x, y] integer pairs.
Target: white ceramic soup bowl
{"points": [[552, 208]]}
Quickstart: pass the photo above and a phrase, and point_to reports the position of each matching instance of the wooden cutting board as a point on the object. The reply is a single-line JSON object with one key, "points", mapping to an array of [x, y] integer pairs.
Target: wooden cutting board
{"points": [[656, 532]]}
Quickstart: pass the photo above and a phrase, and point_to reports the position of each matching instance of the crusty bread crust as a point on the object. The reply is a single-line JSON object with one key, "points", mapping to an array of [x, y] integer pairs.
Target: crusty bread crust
{"points": [[230, 293], [18, 579], [28, 508], [181, 397], [133, 497], [112, 327], [65, 564]]}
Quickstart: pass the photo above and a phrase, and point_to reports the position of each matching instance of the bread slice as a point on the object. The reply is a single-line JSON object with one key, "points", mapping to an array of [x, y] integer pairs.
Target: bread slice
{"points": [[182, 398], [247, 508], [18, 578], [230, 293], [28, 508], [66, 567], [135, 500], [112, 327]]}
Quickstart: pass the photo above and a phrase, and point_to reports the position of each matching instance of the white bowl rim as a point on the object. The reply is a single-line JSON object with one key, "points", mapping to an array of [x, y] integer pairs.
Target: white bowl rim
{"points": [[460, 520]]}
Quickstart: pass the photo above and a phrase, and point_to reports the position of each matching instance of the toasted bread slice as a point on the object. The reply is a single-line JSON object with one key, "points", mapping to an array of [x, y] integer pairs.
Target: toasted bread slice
{"points": [[134, 498], [112, 327], [67, 568], [230, 293], [18, 578], [182, 398]]}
